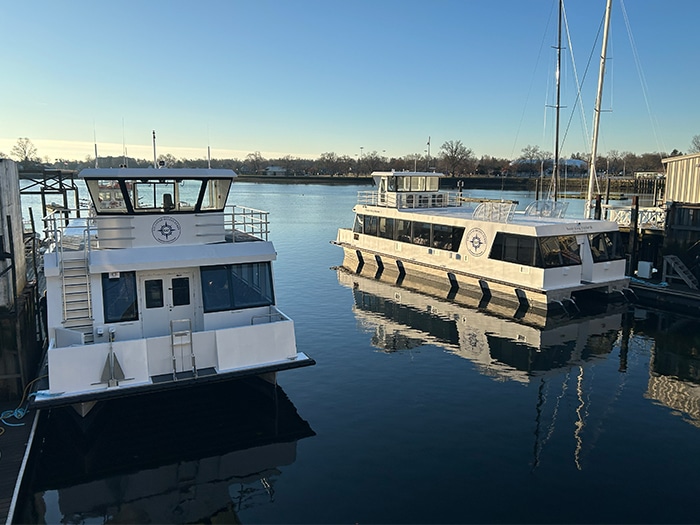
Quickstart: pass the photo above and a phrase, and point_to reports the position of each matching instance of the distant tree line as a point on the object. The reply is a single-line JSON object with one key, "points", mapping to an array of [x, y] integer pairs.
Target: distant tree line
{"points": [[453, 159]]}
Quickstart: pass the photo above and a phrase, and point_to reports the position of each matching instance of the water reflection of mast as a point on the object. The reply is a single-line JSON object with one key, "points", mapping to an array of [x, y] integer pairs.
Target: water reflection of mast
{"points": [[583, 403]]}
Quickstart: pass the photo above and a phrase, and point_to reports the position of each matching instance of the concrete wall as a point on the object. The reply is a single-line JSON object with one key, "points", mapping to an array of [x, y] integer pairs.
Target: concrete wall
{"points": [[11, 205]]}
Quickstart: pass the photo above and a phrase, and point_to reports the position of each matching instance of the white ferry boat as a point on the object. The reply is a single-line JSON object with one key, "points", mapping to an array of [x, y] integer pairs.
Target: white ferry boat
{"points": [[163, 285], [536, 258]]}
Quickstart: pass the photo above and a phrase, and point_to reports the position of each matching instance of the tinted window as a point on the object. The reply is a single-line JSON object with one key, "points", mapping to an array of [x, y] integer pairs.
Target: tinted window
{"points": [[606, 246], [154, 293], [386, 228], [371, 225], [560, 250], [421, 233], [181, 291], [216, 289], [252, 285], [518, 249], [402, 230], [358, 225], [119, 297], [237, 286], [447, 237]]}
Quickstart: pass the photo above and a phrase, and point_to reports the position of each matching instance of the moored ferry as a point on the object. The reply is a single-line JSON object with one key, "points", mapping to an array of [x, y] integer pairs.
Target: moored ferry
{"points": [[162, 285], [535, 258]]}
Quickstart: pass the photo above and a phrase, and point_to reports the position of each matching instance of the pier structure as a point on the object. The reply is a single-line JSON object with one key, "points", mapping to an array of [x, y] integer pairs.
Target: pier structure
{"points": [[21, 338]]}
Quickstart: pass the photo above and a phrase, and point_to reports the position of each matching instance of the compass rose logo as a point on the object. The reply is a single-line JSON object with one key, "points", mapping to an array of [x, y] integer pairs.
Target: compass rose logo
{"points": [[166, 230], [476, 242]]}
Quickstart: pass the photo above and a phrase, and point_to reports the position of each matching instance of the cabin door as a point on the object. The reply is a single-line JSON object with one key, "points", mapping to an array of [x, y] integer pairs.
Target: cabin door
{"points": [[166, 297]]}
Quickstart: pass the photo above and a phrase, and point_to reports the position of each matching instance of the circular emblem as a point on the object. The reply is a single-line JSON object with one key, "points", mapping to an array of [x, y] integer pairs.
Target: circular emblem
{"points": [[166, 230], [476, 242]]}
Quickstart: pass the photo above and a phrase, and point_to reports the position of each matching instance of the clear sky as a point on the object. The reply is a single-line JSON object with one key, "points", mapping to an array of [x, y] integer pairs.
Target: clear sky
{"points": [[304, 77]]}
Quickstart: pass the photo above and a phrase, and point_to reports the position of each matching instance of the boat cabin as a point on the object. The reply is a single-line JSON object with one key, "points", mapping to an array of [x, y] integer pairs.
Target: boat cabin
{"points": [[408, 189], [163, 282]]}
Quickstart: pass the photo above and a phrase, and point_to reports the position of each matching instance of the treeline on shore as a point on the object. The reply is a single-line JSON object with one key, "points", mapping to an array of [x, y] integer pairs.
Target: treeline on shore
{"points": [[453, 159]]}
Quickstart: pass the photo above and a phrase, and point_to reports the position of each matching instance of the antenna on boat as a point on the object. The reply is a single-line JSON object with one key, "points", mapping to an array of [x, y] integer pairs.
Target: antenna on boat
{"points": [[125, 163], [596, 113], [94, 139], [155, 163], [208, 150], [428, 166]]}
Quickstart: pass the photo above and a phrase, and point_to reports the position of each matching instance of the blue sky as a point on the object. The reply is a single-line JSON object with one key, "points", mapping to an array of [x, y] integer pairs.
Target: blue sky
{"points": [[304, 77]]}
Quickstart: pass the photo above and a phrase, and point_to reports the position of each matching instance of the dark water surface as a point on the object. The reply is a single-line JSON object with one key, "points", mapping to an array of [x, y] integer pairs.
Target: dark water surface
{"points": [[417, 411]]}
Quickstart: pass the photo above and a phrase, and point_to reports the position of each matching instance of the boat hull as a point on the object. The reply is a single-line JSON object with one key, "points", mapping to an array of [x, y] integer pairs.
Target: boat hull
{"points": [[44, 399], [485, 292]]}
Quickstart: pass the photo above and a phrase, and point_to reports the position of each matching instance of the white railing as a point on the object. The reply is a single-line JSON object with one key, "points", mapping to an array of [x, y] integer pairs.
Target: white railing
{"points": [[273, 316], [495, 211], [439, 199], [650, 218], [248, 220]]}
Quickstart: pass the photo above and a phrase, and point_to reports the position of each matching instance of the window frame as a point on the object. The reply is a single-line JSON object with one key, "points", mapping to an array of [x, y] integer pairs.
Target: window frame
{"points": [[111, 295]]}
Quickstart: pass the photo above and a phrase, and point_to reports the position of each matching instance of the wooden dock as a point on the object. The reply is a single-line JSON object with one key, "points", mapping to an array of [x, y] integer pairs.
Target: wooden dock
{"points": [[15, 443], [672, 297]]}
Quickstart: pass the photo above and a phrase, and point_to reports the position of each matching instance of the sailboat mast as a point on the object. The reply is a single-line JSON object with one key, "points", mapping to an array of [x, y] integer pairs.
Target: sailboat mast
{"points": [[596, 113], [555, 167]]}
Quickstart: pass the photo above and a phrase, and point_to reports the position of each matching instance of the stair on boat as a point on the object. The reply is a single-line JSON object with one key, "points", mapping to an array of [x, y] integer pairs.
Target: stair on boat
{"points": [[77, 313]]}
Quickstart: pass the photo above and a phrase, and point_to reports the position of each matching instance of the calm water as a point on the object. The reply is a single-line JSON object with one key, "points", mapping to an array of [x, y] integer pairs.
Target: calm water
{"points": [[417, 411]]}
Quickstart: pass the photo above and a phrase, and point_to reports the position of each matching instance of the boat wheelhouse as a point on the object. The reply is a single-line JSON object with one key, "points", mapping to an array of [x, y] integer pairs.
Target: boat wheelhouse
{"points": [[163, 285], [535, 258]]}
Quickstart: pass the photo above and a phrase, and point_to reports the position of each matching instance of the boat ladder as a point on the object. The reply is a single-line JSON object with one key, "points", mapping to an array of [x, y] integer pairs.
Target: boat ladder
{"points": [[181, 345], [673, 264], [77, 301]]}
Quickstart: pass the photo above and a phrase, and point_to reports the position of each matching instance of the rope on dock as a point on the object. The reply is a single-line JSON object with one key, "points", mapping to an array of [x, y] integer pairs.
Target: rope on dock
{"points": [[20, 411]]}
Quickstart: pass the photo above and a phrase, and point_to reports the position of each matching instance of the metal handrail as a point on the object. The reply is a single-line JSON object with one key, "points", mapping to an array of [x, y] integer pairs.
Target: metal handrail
{"points": [[274, 312], [248, 220], [409, 199]]}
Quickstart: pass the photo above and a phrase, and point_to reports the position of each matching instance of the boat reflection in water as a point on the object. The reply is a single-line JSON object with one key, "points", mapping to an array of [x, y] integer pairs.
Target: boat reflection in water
{"points": [[674, 367], [516, 348], [550, 355], [193, 455]]}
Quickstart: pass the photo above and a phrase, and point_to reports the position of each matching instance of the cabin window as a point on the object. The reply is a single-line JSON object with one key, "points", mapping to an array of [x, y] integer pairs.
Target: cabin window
{"points": [[402, 230], [518, 249], [215, 193], [606, 246], [432, 183], [216, 289], [358, 225], [119, 297], [154, 293], [181, 291], [417, 183], [447, 237], [106, 195], [562, 250], [188, 194], [236, 286], [252, 285], [371, 222], [386, 227], [392, 184], [421, 233]]}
